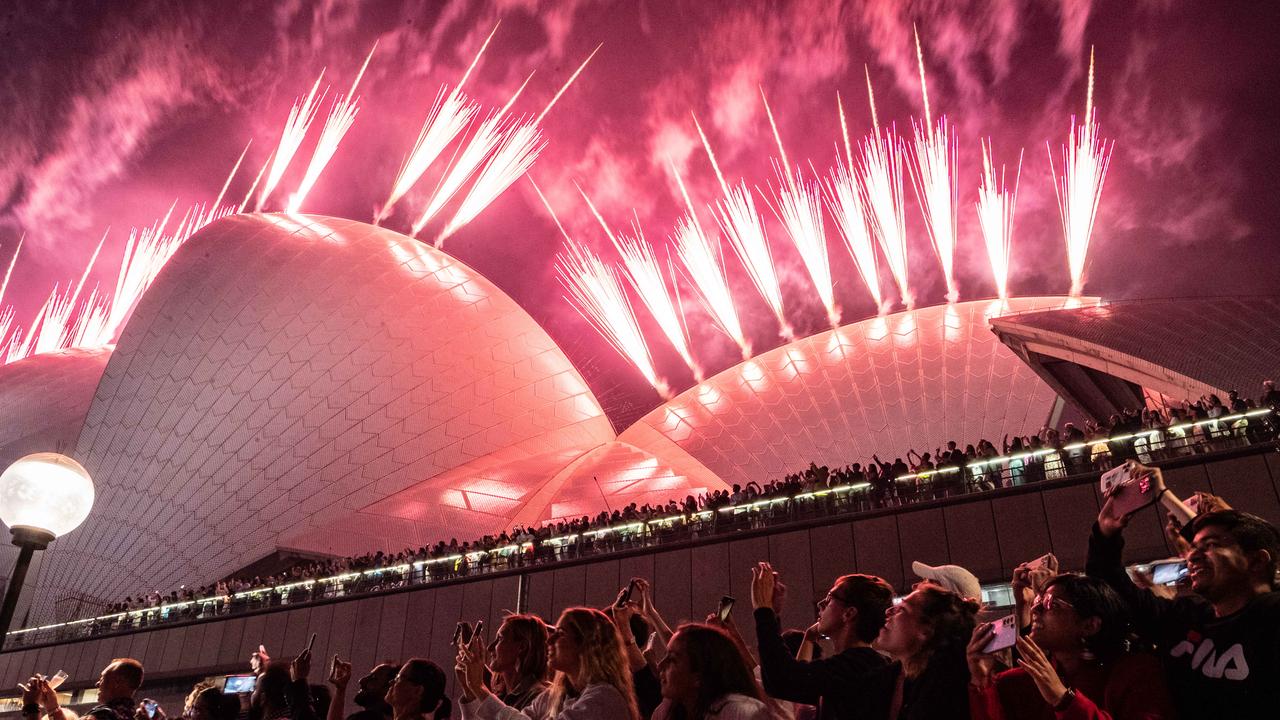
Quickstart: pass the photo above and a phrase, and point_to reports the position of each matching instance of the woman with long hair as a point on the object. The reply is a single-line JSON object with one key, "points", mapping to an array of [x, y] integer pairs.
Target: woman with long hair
{"points": [[705, 677], [926, 636], [518, 660], [592, 679], [417, 692], [1074, 662]]}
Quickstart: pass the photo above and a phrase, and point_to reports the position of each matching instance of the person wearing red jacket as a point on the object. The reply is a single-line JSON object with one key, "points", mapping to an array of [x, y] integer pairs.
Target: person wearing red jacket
{"points": [[1073, 664]]}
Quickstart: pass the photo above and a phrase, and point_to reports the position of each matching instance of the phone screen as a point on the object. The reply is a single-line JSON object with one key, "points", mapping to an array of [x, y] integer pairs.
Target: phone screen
{"points": [[726, 606], [1004, 636], [462, 634], [1168, 573], [151, 706], [239, 684]]}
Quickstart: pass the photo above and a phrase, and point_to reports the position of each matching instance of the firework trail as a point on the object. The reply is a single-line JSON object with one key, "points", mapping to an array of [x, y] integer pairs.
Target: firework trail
{"points": [[256, 179], [12, 261], [234, 169], [449, 115], [595, 292], [1085, 159], [737, 216], [547, 205], [486, 138], [519, 147], [799, 208], [881, 174], [847, 207], [705, 267], [995, 217], [341, 116], [933, 179], [301, 115], [645, 276]]}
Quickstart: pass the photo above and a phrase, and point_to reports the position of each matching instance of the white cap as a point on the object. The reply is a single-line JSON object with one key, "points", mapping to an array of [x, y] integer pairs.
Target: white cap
{"points": [[950, 577]]}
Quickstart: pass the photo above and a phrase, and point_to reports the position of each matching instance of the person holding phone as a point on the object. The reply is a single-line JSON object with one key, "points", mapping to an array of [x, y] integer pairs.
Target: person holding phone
{"points": [[851, 614], [371, 691], [591, 682], [1220, 645], [1073, 662], [519, 660]]}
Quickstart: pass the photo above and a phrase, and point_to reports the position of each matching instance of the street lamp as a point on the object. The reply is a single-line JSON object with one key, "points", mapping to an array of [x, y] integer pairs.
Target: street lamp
{"points": [[42, 496]]}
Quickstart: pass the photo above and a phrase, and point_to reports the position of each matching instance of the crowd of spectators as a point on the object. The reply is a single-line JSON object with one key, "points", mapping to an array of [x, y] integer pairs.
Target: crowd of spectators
{"points": [[1147, 435], [1097, 644]]}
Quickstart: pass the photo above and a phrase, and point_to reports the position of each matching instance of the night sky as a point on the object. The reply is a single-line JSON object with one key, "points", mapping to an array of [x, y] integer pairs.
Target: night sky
{"points": [[114, 110]]}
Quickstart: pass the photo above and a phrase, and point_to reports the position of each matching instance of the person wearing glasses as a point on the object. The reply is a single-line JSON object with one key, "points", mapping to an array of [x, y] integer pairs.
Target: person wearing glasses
{"points": [[851, 615], [1073, 663], [1220, 645], [592, 678]]}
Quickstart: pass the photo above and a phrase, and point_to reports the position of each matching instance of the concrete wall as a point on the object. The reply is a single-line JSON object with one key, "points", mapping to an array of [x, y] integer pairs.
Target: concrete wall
{"points": [[988, 534]]}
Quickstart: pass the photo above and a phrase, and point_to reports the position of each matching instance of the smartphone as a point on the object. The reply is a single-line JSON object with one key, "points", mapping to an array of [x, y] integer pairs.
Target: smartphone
{"points": [[1132, 496], [1005, 634], [239, 684], [725, 607], [1046, 561], [479, 631], [150, 706], [1113, 477], [624, 595], [310, 642], [462, 633], [1168, 573]]}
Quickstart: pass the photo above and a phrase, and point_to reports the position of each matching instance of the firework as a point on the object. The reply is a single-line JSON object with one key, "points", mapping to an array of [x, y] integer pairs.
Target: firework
{"points": [[449, 115], [234, 169], [595, 292], [705, 267], [737, 216], [799, 208], [341, 116], [518, 149], [1085, 159], [485, 140], [646, 277], [881, 174], [933, 179], [846, 204], [4, 286], [995, 217], [301, 115]]}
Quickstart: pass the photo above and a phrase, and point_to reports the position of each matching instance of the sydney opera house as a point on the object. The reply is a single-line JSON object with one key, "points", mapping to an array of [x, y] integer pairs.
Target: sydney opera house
{"points": [[324, 387]]}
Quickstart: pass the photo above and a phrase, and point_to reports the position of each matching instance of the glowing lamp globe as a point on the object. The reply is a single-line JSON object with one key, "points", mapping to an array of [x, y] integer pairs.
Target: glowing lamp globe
{"points": [[43, 496]]}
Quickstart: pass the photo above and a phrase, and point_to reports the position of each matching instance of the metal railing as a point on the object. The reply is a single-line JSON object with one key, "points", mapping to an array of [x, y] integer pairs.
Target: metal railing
{"points": [[1076, 460]]}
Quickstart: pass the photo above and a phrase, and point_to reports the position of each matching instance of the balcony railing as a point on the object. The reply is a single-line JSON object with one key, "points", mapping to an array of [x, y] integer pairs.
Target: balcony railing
{"points": [[1072, 461]]}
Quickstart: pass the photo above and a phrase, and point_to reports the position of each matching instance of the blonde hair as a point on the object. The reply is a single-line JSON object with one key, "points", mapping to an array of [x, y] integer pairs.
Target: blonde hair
{"points": [[600, 652]]}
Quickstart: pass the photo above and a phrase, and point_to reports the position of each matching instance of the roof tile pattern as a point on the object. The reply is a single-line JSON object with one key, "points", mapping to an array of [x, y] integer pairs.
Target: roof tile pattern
{"points": [[913, 379], [286, 371]]}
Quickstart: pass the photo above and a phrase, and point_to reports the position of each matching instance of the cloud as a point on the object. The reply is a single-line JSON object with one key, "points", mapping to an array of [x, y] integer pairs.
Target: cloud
{"points": [[125, 95]]}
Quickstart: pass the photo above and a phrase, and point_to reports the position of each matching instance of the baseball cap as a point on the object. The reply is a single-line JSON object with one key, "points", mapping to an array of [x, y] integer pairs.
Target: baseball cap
{"points": [[950, 577]]}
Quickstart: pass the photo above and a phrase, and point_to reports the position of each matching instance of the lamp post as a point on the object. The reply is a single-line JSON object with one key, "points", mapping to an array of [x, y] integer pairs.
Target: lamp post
{"points": [[42, 496]]}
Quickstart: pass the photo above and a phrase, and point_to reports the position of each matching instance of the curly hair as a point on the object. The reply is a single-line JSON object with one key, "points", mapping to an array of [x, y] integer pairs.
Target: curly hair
{"points": [[950, 617], [602, 656]]}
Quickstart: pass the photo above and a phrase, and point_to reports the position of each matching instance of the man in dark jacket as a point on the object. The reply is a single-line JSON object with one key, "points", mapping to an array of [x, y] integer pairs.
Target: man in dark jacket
{"points": [[851, 614], [1221, 646]]}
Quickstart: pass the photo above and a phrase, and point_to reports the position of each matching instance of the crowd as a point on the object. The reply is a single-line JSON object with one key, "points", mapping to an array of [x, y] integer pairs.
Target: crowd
{"points": [[1147, 435], [1097, 644]]}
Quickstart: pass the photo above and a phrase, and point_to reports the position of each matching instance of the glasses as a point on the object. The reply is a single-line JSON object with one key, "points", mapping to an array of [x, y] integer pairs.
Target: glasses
{"points": [[1048, 603]]}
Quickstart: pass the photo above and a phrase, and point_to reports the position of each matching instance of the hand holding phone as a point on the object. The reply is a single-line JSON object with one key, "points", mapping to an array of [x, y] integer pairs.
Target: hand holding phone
{"points": [[725, 607], [462, 633], [1004, 633]]}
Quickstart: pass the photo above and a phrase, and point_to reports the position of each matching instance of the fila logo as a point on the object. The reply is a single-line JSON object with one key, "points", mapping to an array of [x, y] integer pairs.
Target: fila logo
{"points": [[1231, 665]]}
